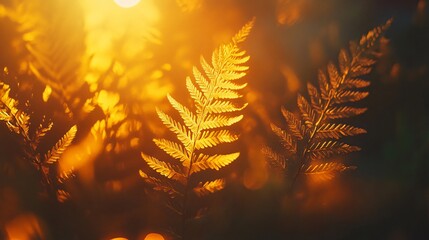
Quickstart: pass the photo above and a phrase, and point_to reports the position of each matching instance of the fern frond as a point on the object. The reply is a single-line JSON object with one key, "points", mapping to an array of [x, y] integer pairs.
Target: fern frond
{"points": [[349, 96], [215, 162], [65, 175], [173, 149], [243, 33], [165, 169], [295, 126], [213, 138], [232, 86], [226, 94], [287, 140], [214, 92], [324, 171], [315, 99], [41, 131], [307, 113], [209, 187], [184, 136], [323, 84], [188, 117], [276, 160], [337, 131], [343, 112], [16, 120], [195, 93], [55, 153], [213, 122], [355, 83], [324, 150], [218, 106], [334, 75], [159, 185], [202, 82], [316, 138]]}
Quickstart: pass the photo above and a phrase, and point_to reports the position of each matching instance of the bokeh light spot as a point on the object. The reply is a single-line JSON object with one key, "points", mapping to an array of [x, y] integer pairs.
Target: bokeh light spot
{"points": [[154, 236], [127, 3]]}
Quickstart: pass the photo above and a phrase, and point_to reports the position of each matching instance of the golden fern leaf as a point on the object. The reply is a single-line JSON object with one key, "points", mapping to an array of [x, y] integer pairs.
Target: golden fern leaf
{"points": [[213, 90], [209, 187], [41, 131], [218, 106], [213, 122], [188, 117], [315, 137], [183, 135], [324, 171], [16, 120], [213, 138], [173, 149], [55, 153], [165, 169], [215, 162]]}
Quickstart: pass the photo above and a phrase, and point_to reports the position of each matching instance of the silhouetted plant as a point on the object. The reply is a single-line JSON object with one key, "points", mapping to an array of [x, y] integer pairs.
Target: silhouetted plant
{"points": [[18, 122], [311, 140]]}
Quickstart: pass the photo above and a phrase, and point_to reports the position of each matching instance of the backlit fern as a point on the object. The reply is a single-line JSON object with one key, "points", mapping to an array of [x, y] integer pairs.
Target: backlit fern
{"points": [[206, 126], [18, 122], [311, 140]]}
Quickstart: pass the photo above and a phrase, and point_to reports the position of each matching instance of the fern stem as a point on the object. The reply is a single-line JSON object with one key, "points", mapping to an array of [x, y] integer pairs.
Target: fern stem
{"points": [[201, 116]]}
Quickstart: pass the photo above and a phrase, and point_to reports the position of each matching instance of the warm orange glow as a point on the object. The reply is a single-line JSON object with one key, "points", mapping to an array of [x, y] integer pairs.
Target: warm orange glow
{"points": [[292, 80], [154, 236], [24, 227], [127, 3], [256, 176]]}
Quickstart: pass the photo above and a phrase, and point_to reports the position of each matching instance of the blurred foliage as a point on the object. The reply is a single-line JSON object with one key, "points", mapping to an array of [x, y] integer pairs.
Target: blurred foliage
{"points": [[104, 69]]}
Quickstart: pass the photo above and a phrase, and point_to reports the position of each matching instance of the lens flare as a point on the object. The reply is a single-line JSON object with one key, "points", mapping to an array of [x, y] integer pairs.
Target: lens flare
{"points": [[127, 3]]}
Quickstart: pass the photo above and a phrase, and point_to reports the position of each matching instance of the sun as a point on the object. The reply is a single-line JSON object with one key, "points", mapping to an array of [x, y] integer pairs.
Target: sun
{"points": [[127, 3]]}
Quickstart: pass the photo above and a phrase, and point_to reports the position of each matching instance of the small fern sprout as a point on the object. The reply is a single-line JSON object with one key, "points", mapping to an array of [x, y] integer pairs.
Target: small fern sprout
{"points": [[312, 139], [214, 91]]}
